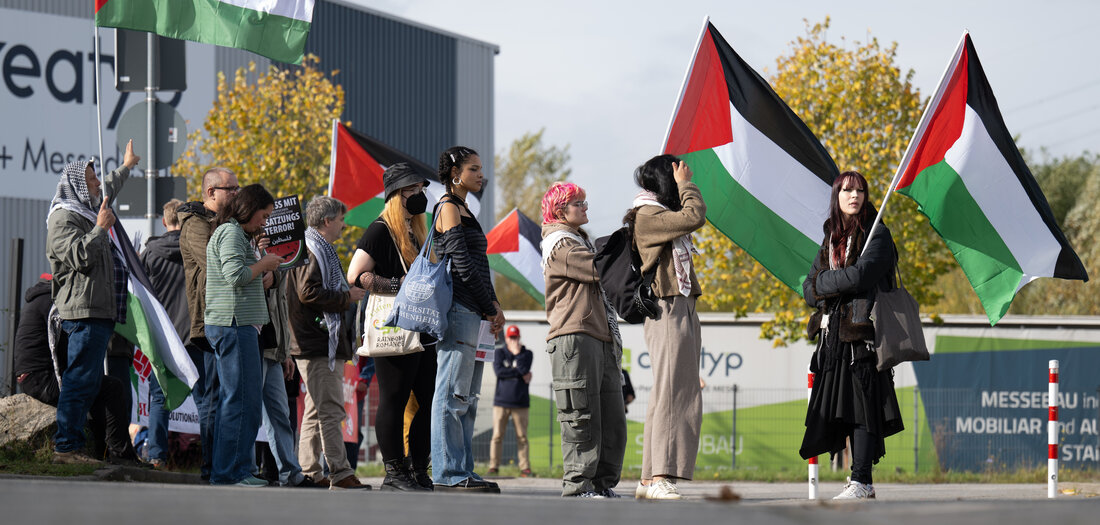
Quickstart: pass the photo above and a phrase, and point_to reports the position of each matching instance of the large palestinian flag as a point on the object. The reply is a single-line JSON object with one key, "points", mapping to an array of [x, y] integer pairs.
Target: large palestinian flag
{"points": [[763, 174], [149, 327], [355, 175], [276, 29], [964, 170], [514, 252]]}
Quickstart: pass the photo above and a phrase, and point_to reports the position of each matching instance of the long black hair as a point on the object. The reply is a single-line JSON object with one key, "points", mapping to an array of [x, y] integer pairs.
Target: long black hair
{"points": [[836, 231], [455, 156], [244, 204], [656, 176]]}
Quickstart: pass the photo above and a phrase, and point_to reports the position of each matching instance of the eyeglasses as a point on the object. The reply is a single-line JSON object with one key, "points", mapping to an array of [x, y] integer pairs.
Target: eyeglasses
{"points": [[230, 189], [579, 204]]}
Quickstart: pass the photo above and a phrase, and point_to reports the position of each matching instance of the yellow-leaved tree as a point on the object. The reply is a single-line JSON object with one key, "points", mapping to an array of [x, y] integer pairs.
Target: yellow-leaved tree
{"points": [[864, 109], [275, 131]]}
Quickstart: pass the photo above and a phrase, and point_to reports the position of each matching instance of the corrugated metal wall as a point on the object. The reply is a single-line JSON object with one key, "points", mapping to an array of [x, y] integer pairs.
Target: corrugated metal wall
{"points": [[399, 80], [26, 219], [474, 112], [75, 8]]}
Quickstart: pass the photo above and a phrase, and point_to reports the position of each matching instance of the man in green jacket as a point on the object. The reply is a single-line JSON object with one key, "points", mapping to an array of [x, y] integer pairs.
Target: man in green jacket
{"points": [[89, 290]]}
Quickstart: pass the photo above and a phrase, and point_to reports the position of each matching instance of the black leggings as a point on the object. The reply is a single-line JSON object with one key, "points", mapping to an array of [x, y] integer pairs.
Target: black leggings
{"points": [[862, 454], [397, 377]]}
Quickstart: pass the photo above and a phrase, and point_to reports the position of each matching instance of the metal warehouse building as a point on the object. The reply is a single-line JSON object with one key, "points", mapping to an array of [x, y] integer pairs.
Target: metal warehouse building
{"points": [[417, 88]]}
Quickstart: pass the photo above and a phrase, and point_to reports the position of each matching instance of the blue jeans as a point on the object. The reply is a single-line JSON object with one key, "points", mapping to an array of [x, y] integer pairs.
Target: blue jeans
{"points": [[80, 383], [237, 349], [280, 434], [158, 415], [454, 406], [208, 411]]}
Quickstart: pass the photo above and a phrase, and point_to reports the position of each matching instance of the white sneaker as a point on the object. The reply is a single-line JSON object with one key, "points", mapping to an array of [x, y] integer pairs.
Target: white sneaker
{"points": [[856, 490], [658, 489]]}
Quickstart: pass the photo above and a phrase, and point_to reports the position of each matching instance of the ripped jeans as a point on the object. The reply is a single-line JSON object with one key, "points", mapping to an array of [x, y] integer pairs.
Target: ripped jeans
{"points": [[454, 406]]}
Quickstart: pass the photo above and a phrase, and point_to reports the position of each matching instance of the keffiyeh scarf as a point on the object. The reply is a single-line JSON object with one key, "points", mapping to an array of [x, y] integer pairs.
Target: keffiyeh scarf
{"points": [[332, 278], [549, 243], [682, 247]]}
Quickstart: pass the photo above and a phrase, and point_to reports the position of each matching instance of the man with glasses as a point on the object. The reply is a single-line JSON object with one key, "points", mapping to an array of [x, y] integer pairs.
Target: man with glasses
{"points": [[196, 220]]}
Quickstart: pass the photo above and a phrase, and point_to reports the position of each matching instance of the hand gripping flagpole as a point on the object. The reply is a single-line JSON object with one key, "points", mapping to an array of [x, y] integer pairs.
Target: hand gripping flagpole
{"points": [[921, 127]]}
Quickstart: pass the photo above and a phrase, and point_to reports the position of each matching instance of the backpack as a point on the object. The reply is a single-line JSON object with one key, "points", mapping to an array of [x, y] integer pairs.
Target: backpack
{"points": [[629, 290]]}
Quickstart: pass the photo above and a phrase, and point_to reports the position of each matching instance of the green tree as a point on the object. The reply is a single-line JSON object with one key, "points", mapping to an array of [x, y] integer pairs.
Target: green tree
{"points": [[273, 131], [523, 173], [864, 109]]}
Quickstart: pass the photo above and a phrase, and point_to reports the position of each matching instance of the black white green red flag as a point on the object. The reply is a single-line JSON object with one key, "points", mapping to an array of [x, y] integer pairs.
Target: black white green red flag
{"points": [[355, 175], [150, 329], [764, 176], [514, 249], [276, 29], [967, 176]]}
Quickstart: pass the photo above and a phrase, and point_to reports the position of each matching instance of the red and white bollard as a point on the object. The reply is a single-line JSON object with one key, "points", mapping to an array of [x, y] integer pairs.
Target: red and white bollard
{"points": [[812, 461], [1052, 432]]}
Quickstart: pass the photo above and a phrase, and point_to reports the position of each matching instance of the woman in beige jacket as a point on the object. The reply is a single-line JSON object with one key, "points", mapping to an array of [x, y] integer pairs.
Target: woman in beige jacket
{"points": [[664, 215], [585, 349]]}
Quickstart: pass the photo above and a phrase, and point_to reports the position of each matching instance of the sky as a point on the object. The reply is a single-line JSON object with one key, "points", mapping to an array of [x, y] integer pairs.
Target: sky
{"points": [[603, 77]]}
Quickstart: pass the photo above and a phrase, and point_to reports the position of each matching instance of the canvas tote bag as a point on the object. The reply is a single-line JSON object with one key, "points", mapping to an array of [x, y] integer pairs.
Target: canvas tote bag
{"points": [[425, 296], [898, 333], [386, 341]]}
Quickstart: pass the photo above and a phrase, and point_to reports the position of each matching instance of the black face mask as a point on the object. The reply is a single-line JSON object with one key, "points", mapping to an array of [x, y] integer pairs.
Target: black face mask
{"points": [[417, 203]]}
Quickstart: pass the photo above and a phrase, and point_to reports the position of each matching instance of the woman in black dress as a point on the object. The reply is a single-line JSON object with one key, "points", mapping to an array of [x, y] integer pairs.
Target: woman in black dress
{"points": [[851, 400]]}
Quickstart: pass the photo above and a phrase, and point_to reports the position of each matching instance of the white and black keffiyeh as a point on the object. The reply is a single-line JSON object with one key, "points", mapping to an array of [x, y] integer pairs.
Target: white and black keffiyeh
{"points": [[332, 278], [682, 247], [550, 242], [72, 192]]}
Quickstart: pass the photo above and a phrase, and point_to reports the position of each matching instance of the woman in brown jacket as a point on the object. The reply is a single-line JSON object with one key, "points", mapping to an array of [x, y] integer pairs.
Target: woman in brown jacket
{"points": [[664, 215], [585, 349]]}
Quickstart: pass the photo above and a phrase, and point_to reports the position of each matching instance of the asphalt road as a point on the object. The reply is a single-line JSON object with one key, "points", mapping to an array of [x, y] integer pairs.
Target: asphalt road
{"points": [[525, 501]]}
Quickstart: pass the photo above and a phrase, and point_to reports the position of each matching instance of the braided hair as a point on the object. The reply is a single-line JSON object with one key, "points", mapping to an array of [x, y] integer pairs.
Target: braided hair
{"points": [[452, 157]]}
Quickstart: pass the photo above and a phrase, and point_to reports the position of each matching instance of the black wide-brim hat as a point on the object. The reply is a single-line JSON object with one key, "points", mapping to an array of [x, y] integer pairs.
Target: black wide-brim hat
{"points": [[401, 175]]}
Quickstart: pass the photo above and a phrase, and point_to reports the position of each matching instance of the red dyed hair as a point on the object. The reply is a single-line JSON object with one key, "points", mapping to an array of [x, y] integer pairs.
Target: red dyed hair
{"points": [[557, 196]]}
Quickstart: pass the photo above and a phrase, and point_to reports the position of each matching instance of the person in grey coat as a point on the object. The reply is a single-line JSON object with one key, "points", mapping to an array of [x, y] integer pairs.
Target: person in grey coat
{"points": [[89, 290]]}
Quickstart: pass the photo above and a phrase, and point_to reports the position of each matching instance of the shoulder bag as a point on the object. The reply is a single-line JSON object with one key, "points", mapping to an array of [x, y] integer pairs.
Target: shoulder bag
{"points": [[898, 333], [386, 341], [425, 296]]}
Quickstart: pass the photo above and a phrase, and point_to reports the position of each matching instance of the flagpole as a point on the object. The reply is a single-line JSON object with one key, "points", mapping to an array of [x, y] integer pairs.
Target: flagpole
{"points": [[332, 157], [922, 126], [687, 77], [98, 106]]}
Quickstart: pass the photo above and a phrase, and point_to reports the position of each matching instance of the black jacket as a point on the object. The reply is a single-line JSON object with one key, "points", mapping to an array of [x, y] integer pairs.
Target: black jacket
{"points": [[512, 390], [164, 264], [849, 292], [32, 344]]}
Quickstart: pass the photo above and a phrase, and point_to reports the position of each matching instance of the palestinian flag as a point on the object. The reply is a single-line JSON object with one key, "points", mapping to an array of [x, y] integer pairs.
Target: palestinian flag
{"points": [[764, 176], [355, 175], [149, 327], [964, 170], [514, 252], [276, 29]]}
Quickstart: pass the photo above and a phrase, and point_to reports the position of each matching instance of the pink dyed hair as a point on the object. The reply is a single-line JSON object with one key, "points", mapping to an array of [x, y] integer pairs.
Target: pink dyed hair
{"points": [[557, 196]]}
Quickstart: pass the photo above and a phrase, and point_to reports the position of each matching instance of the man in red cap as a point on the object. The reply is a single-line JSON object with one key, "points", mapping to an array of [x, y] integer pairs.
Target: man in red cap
{"points": [[512, 401]]}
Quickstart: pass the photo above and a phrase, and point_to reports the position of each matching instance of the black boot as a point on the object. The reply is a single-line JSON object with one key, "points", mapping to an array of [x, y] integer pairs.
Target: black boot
{"points": [[418, 471], [397, 477]]}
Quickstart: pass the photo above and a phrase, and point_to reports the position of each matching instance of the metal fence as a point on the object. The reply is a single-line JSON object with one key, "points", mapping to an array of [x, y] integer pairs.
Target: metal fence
{"points": [[762, 429]]}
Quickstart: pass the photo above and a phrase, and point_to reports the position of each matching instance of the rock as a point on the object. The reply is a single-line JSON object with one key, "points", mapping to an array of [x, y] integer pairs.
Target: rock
{"points": [[23, 417]]}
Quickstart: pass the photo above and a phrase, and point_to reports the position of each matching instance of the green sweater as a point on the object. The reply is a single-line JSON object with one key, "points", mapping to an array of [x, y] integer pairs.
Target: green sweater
{"points": [[232, 294]]}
